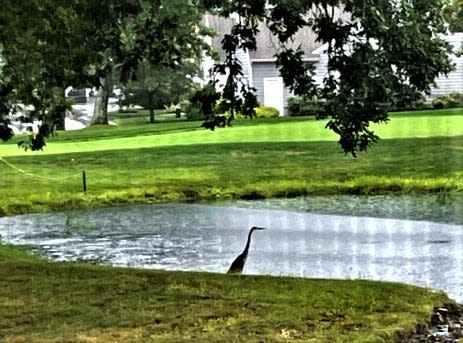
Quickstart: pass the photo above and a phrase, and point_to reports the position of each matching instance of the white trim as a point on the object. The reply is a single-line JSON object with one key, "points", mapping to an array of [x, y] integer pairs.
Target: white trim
{"points": [[267, 60], [321, 49], [274, 96]]}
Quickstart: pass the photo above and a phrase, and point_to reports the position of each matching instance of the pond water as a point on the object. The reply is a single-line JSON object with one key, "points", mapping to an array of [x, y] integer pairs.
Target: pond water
{"points": [[208, 238]]}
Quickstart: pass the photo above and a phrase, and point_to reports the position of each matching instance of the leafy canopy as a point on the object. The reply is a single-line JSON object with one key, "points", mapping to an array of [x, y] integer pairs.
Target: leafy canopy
{"points": [[453, 14], [380, 54], [47, 45]]}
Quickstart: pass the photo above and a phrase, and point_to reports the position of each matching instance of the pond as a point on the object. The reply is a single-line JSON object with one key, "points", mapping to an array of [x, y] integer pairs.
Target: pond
{"points": [[297, 243]]}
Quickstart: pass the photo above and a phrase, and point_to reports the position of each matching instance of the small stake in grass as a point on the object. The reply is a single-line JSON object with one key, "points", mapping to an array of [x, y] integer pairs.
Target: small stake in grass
{"points": [[238, 264], [84, 181]]}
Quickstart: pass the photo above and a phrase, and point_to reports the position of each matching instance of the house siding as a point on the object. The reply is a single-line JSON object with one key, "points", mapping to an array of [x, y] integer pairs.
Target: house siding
{"points": [[444, 84], [454, 80], [262, 70]]}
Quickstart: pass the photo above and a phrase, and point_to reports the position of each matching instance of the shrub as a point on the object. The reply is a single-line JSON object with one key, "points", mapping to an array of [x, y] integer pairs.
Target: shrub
{"points": [[438, 103], [266, 112], [194, 112], [420, 104], [451, 100], [455, 99], [303, 106]]}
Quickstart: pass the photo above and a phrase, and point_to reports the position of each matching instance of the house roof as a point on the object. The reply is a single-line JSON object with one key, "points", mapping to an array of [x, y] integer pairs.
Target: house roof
{"points": [[267, 43], [221, 26]]}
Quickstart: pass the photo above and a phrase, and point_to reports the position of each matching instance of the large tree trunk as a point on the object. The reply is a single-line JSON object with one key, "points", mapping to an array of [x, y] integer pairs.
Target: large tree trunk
{"points": [[100, 110]]}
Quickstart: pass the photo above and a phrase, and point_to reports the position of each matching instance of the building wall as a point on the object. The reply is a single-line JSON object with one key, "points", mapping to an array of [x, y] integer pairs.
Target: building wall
{"points": [[444, 84], [454, 80], [262, 70]]}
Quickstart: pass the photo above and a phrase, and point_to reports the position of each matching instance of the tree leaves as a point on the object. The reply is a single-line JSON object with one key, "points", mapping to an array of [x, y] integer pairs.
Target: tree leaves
{"points": [[381, 54], [48, 44], [453, 14]]}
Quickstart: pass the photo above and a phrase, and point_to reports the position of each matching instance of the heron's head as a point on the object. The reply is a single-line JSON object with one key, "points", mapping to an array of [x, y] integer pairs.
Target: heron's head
{"points": [[258, 228]]}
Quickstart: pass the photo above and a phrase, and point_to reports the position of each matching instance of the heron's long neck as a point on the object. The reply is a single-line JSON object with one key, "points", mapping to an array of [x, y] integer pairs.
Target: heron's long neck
{"points": [[248, 243]]}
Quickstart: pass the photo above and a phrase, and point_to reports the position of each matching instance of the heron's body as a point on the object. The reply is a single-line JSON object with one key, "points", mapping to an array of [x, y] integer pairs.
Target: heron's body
{"points": [[238, 264]]}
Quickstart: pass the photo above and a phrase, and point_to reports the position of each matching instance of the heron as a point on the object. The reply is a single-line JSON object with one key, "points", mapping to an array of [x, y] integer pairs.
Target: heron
{"points": [[238, 264]]}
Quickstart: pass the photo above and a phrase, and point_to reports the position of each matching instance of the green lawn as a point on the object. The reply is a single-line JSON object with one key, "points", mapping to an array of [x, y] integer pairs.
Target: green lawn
{"points": [[420, 153], [227, 171], [268, 158], [131, 136], [56, 302]]}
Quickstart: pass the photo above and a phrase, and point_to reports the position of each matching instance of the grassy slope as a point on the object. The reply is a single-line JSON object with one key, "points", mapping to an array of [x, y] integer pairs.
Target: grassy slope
{"points": [[299, 162], [448, 123], [224, 171], [55, 302], [47, 302]]}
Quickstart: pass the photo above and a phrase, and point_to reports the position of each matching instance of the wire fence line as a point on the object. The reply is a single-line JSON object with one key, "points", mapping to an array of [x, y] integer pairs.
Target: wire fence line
{"points": [[22, 171]]}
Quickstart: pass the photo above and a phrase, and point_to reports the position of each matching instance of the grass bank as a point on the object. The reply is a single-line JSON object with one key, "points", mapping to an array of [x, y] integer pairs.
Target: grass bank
{"points": [[211, 172], [280, 157], [59, 302], [129, 136], [56, 302]]}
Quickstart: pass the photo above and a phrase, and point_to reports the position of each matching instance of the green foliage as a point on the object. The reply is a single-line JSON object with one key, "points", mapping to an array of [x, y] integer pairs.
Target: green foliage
{"points": [[451, 100], [204, 104], [35, 63], [45, 301], [304, 106], [376, 58], [156, 87], [194, 112], [266, 112], [453, 14], [47, 45]]}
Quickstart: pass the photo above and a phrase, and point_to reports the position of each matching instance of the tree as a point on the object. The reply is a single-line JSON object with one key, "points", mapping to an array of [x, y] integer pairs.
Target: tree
{"points": [[47, 45], [158, 86], [35, 64], [453, 14], [161, 33], [381, 54]]}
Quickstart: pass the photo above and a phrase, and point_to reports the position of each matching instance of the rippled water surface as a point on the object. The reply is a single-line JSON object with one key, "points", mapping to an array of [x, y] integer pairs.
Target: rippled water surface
{"points": [[208, 238]]}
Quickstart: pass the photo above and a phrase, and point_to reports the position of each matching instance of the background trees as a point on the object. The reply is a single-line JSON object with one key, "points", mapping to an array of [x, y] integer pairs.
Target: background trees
{"points": [[155, 87], [47, 45], [381, 54]]}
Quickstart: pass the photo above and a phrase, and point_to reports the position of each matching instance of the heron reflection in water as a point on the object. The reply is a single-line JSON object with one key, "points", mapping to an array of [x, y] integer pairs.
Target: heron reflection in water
{"points": [[238, 264]]}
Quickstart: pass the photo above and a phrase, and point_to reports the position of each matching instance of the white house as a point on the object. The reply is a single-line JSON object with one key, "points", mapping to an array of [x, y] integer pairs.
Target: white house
{"points": [[444, 83], [454, 80], [261, 72]]}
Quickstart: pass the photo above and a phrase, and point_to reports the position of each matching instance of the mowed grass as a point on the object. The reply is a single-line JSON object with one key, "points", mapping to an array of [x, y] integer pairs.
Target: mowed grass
{"points": [[143, 135], [61, 302], [228, 171], [204, 165], [56, 302]]}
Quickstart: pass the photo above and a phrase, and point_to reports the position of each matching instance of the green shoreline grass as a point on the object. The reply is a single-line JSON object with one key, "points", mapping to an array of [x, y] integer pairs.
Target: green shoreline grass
{"points": [[66, 302], [69, 302], [215, 172]]}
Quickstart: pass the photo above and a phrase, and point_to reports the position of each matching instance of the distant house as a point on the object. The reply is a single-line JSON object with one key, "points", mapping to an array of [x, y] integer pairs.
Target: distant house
{"points": [[444, 84], [454, 80], [261, 72], [78, 95], [259, 66]]}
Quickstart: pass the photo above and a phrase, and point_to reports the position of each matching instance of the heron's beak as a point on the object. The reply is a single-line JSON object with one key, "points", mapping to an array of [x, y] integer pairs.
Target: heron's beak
{"points": [[260, 228]]}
